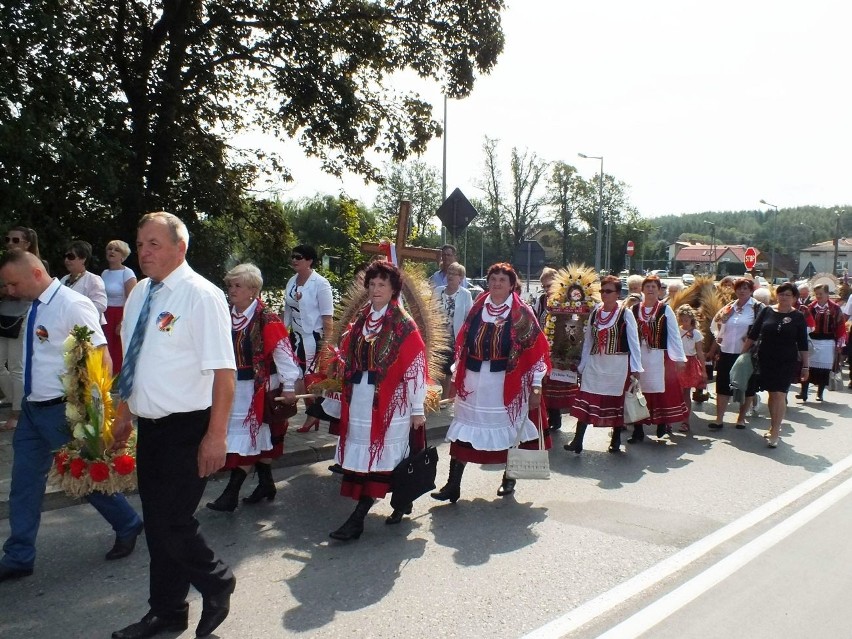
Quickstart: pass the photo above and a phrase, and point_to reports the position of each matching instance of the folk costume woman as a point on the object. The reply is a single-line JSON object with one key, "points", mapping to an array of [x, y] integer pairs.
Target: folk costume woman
{"points": [[502, 358], [828, 338], [662, 359], [611, 353], [384, 387], [265, 359]]}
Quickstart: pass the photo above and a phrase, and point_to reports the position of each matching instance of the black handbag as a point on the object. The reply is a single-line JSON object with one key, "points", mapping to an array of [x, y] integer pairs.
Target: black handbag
{"points": [[10, 326], [414, 476]]}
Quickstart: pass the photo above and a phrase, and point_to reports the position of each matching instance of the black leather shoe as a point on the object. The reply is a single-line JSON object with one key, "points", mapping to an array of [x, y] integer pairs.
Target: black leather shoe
{"points": [[123, 547], [507, 487], [153, 624], [7, 573], [397, 515], [216, 609]]}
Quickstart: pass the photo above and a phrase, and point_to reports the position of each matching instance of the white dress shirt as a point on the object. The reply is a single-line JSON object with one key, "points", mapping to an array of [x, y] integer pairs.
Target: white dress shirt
{"points": [[60, 310], [187, 338], [92, 286], [305, 305]]}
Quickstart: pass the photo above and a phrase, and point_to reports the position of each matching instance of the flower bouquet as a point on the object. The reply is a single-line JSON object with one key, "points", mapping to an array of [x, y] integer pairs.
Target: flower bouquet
{"points": [[88, 462]]}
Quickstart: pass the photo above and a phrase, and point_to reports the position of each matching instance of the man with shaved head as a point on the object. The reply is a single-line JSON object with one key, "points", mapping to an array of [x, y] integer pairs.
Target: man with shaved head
{"points": [[42, 427]]}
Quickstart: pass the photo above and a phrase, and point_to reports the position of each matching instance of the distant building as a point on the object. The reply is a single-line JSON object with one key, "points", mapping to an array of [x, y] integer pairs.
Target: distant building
{"points": [[818, 258], [723, 259]]}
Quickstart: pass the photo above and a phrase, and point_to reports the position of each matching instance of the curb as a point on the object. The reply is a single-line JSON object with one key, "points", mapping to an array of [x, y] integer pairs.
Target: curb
{"points": [[303, 457]]}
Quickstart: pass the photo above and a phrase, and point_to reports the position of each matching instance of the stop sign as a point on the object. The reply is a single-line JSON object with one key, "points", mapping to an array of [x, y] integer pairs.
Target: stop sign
{"points": [[750, 258], [631, 247]]}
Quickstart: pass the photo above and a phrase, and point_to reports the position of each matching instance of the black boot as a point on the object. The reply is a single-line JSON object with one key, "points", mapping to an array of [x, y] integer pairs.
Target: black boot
{"points": [[638, 434], [398, 513], [507, 487], [554, 418], [354, 526], [804, 394], [577, 443], [265, 485], [615, 441], [452, 489], [230, 497], [661, 430], [820, 390]]}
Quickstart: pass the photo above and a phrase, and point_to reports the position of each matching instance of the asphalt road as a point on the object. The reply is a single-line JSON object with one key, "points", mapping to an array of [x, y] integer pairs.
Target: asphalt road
{"points": [[680, 535]]}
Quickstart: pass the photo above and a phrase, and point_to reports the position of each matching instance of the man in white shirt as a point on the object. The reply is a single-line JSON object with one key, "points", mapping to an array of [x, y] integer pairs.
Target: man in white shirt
{"points": [[178, 380], [449, 255], [42, 427]]}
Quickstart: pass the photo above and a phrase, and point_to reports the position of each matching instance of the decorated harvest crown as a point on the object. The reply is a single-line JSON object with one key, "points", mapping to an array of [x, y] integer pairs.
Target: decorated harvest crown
{"points": [[575, 289]]}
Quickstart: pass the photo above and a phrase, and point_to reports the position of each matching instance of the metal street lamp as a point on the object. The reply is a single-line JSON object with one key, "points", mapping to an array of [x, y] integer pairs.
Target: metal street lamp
{"points": [[712, 245], [600, 210], [774, 226]]}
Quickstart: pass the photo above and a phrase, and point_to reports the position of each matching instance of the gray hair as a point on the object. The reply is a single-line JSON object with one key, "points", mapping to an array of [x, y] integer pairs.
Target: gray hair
{"points": [[176, 226], [456, 268], [246, 274], [634, 283]]}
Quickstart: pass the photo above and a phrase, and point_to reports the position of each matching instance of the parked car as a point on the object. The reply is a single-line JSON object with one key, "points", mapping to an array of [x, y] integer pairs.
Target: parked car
{"points": [[761, 281], [687, 279], [660, 272], [476, 287]]}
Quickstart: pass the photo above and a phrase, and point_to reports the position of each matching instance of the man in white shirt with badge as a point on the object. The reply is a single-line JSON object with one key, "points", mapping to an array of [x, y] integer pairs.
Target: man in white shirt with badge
{"points": [[178, 380], [42, 427]]}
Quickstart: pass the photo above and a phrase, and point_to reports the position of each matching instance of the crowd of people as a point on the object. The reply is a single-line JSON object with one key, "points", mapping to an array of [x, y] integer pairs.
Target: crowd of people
{"points": [[208, 380]]}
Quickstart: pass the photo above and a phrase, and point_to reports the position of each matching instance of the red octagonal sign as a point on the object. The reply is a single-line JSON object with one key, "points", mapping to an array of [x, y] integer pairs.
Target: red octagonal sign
{"points": [[631, 247], [750, 258]]}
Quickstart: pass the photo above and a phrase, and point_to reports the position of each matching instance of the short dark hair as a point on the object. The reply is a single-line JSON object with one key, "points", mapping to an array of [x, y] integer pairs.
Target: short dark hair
{"points": [[653, 279], [744, 280], [787, 287], [449, 246], [612, 279], [384, 271], [506, 269], [81, 249], [306, 251]]}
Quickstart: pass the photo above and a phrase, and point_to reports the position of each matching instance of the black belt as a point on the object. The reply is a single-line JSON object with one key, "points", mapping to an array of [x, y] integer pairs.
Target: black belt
{"points": [[497, 365], [817, 337], [48, 402]]}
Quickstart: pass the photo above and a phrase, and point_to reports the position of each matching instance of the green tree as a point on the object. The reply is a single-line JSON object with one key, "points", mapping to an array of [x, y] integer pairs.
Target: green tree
{"points": [[112, 109], [421, 184]]}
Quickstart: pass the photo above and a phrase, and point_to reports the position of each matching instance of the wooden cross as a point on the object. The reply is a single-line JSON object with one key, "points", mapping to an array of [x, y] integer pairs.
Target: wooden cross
{"points": [[403, 252]]}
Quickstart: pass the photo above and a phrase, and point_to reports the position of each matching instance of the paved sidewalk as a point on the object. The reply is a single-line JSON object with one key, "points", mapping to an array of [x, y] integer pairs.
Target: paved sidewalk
{"points": [[299, 449]]}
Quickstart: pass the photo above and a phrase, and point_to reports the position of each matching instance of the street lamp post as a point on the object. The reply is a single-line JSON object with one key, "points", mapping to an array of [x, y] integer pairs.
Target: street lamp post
{"points": [[600, 210], [712, 245], [774, 226], [834, 268]]}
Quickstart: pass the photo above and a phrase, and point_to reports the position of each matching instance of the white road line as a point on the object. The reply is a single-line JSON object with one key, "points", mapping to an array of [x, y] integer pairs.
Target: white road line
{"points": [[664, 607], [605, 602]]}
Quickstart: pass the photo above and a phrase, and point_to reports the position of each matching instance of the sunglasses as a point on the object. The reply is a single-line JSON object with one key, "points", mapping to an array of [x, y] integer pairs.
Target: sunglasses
{"points": [[608, 290], [297, 257], [13, 240], [71, 256]]}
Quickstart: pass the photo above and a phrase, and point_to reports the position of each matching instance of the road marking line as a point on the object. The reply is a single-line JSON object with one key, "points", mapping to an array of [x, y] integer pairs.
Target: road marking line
{"points": [[606, 601], [664, 607]]}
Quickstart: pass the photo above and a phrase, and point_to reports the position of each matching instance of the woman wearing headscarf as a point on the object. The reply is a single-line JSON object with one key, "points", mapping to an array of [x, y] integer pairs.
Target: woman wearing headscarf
{"points": [[385, 370], [264, 359], [502, 357]]}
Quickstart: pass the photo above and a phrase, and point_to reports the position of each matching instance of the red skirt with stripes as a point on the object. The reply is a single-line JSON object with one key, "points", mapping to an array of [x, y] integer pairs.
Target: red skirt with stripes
{"points": [[465, 452], [667, 407]]}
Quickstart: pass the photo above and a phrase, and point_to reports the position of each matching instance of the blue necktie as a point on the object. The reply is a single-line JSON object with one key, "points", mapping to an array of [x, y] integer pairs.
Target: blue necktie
{"points": [[128, 367], [28, 354]]}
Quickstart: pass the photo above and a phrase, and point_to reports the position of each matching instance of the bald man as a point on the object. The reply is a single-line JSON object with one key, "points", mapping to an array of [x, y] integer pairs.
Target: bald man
{"points": [[42, 426]]}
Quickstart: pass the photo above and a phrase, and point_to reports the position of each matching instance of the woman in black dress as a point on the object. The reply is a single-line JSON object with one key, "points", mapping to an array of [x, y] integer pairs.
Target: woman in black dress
{"points": [[782, 336]]}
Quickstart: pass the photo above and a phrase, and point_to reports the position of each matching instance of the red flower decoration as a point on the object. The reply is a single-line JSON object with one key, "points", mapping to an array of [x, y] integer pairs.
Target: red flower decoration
{"points": [[124, 464], [99, 471], [78, 467], [61, 461]]}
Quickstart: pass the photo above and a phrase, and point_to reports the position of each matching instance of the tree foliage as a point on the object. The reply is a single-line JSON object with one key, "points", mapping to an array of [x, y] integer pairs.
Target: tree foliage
{"points": [[113, 108], [421, 184]]}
